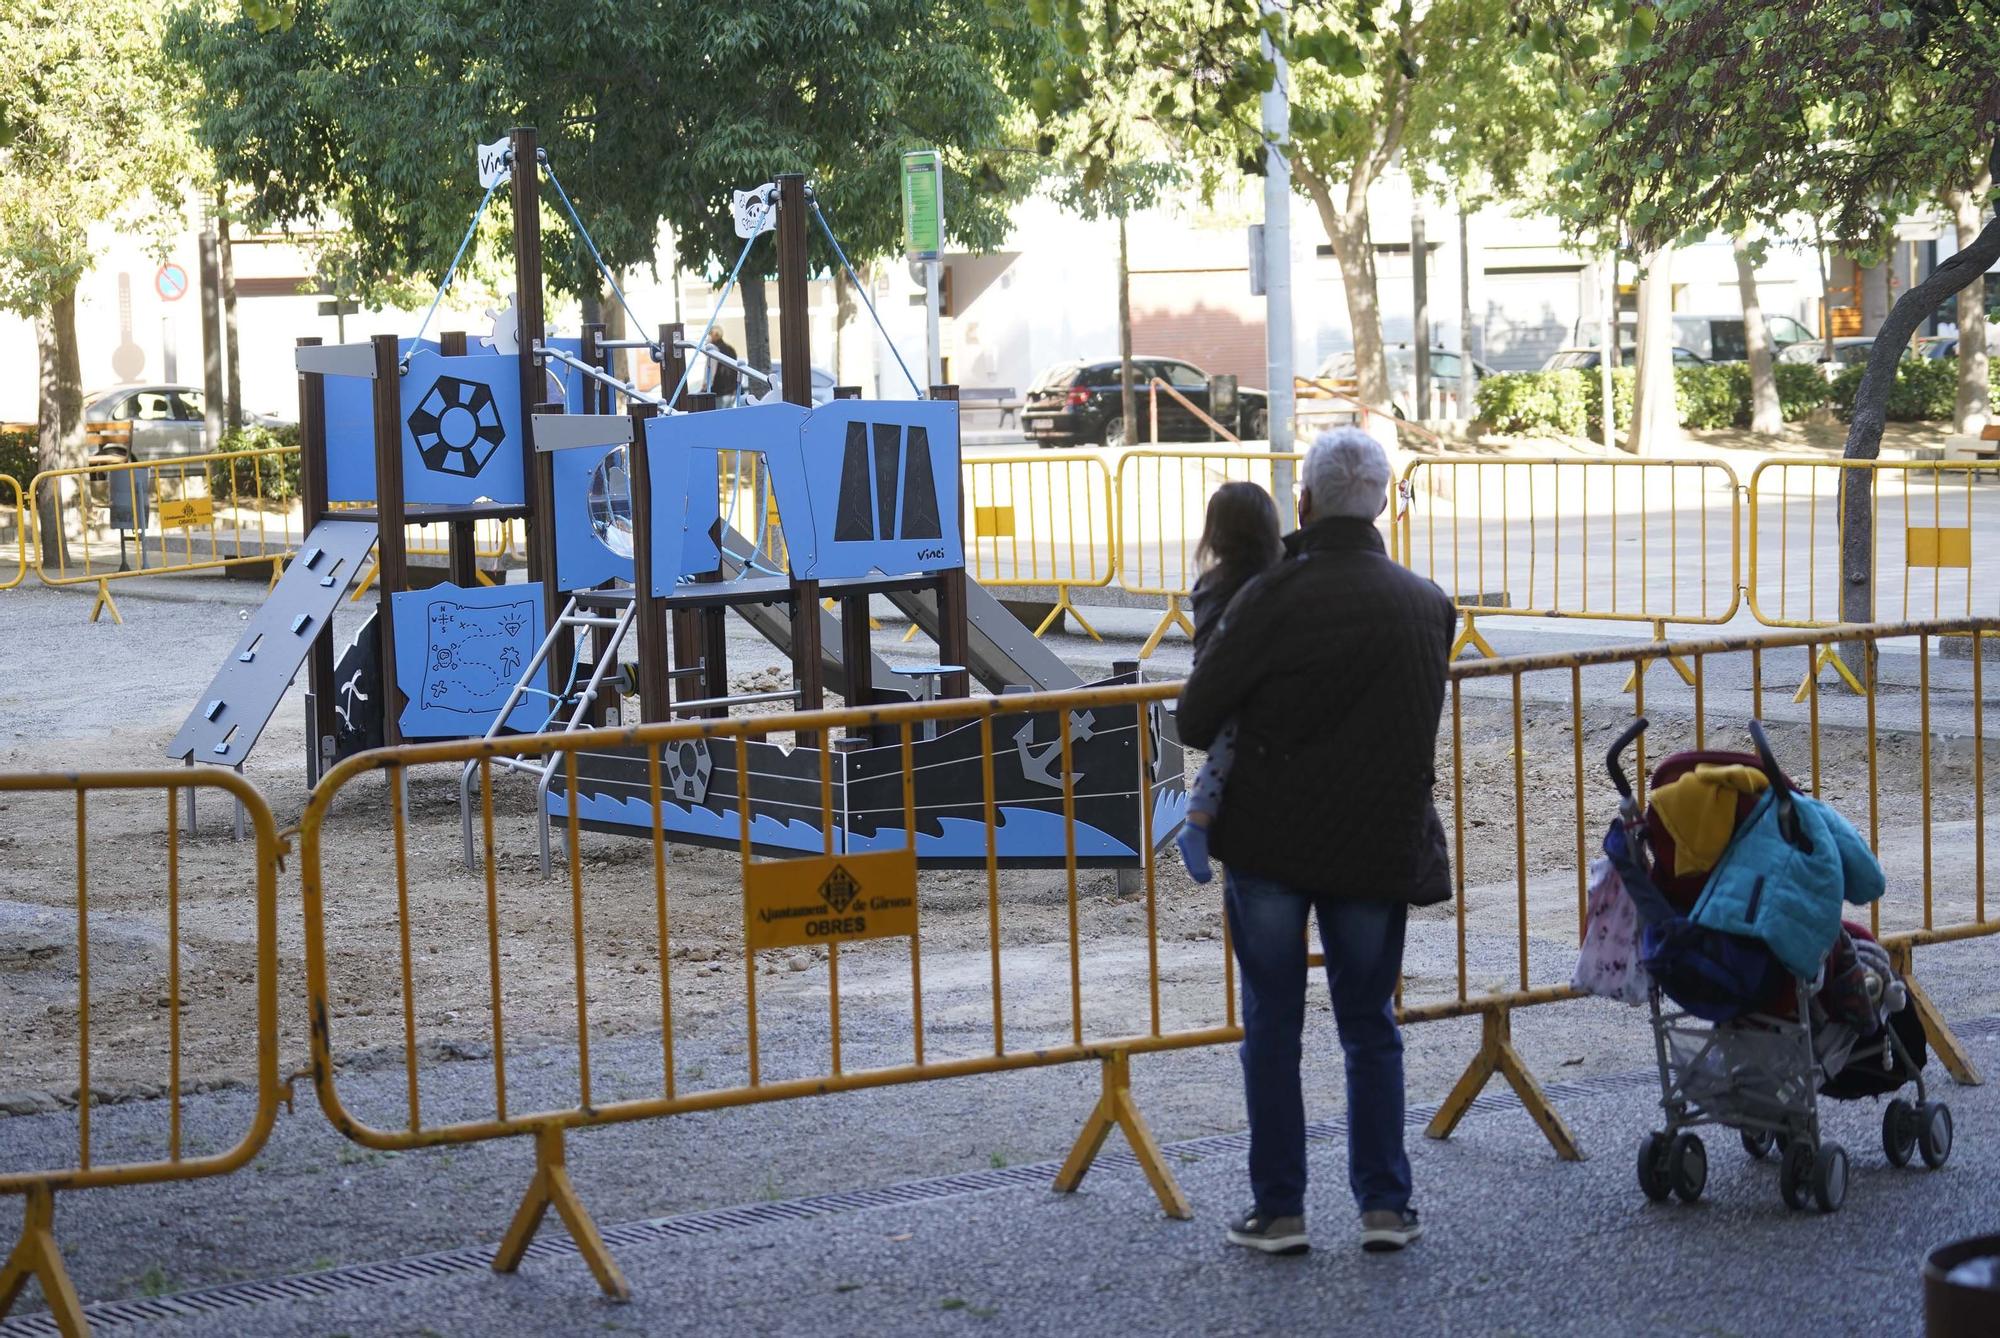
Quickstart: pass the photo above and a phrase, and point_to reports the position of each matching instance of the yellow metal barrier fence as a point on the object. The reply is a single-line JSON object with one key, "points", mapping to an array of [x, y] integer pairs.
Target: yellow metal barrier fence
{"points": [[1162, 504], [1040, 520], [36, 1255], [864, 907], [1927, 516], [1625, 540], [157, 517], [14, 531], [1529, 801]]}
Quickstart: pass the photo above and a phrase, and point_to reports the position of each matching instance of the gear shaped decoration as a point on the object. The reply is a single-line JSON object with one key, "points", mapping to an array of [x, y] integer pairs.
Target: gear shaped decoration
{"points": [[688, 770], [456, 427]]}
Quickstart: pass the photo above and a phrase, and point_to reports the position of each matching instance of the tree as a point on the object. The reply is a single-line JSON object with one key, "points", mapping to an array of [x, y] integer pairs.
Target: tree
{"points": [[91, 132], [1766, 414], [1433, 88], [1969, 408], [1722, 114], [366, 114]]}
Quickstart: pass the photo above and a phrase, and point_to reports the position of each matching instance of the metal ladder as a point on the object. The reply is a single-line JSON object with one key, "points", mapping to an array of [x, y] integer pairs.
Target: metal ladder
{"points": [[543, 768]]}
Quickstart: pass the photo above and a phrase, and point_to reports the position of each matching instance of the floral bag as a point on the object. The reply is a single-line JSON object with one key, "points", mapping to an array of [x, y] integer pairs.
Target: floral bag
{"points": [[1608, 965]]}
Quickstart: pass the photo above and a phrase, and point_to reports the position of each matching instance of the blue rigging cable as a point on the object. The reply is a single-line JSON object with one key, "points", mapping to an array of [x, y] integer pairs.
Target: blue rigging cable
{"points": [[452, 272]]}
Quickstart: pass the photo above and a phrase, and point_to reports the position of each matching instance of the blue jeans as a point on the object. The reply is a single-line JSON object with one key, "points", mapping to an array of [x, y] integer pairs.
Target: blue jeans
{"points": [[1363, 941]]}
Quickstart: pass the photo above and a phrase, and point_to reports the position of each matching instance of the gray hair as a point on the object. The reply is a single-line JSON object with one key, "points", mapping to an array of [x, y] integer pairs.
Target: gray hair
{"points": [[1347, 473]]}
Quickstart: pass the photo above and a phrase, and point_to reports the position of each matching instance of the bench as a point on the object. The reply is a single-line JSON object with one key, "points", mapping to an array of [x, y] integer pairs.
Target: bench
{"points": [[1003, 400]]}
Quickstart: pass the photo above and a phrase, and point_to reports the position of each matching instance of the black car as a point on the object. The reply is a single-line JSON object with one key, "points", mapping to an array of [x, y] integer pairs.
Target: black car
{"points": [[1077, 404]]}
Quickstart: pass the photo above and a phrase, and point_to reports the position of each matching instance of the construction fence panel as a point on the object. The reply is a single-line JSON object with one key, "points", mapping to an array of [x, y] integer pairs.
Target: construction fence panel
{"points": [[14, 532], [854, 898], [1628, 540], [142, 976], [1162, 505], [158, 517], [1926, 516], [1526, 799]]}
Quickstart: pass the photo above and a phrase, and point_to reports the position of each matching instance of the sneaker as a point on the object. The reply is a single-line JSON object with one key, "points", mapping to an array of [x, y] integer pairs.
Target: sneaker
{"points": [[1387, 1229], [1193, 844], [1272, 1235]]}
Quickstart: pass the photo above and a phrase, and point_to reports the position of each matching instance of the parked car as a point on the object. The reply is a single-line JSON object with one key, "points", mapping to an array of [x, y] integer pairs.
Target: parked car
{"points": [[1078, 404], [1848, 351], [1718, 338], [166, 420], [1586, 359], [1402, 365], [822, 386]]}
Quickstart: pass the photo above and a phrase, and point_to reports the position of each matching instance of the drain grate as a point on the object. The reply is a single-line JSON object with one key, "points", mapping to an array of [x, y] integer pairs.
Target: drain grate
{"points": [[478, 1258]]}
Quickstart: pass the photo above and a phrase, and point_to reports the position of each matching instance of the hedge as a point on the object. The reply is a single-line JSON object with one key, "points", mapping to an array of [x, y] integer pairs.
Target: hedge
{"points": [[1568, 402], [20, 456], [275, 478], [1926, 388]]}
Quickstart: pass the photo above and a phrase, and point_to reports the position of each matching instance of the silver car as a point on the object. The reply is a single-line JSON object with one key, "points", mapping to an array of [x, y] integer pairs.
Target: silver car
{"points": [[166, 420]]}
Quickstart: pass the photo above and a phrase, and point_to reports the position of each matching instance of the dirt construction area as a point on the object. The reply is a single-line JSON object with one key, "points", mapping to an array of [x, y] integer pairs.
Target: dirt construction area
{"points": [[412, 975]]}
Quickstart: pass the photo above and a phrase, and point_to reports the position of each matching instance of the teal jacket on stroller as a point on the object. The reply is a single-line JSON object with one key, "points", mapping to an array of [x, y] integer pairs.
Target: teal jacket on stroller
{"points": [[1787, 892]]}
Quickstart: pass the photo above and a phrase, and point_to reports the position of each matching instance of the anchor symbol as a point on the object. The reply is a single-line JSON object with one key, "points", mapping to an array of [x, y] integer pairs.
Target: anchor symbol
{"points": [[1041, 767]]}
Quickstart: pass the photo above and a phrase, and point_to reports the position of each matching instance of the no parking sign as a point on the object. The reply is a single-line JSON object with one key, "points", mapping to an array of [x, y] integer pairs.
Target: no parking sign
{"points": [[171, 283]]}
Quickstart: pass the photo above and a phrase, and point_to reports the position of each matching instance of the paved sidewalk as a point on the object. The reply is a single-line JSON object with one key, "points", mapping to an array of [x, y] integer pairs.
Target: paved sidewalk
{"points": [[1517, 1244]]}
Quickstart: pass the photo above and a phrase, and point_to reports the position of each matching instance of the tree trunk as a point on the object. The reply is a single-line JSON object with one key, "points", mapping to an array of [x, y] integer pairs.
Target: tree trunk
{"points": [[1871, 402], [59, 415], [1607, 356], [756, 329], [616, 328], [1347, 229], [1128, 402], [211, 335], [232, 391], [1969, 412], [1766, 415], [1655, 415]]}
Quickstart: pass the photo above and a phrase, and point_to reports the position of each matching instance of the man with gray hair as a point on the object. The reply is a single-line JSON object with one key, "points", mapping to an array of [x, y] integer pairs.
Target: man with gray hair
{"points": [[1333, 667]]}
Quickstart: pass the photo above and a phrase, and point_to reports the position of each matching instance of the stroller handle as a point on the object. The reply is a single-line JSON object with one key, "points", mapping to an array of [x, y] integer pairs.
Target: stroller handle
{"points": [[1611, 762]]}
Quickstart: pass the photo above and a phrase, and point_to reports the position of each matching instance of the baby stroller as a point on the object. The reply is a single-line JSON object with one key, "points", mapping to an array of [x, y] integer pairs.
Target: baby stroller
{"points": [[1741, 1040]]}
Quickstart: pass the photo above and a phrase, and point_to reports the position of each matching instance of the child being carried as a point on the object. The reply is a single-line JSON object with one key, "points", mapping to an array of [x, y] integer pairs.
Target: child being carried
{"points": [[1239, 540]]}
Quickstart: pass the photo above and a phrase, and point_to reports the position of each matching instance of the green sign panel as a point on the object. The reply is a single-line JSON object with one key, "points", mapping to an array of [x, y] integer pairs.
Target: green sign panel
{"points": [[923, 205]]}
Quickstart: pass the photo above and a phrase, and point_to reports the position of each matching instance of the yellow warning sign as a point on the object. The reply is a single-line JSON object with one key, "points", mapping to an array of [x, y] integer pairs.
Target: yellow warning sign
{"points": [[831, 899], [186, 511], [1946, 546]]}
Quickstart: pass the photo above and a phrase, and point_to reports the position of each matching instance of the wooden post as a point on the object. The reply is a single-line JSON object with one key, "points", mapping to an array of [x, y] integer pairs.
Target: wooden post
{"points": [[460, 557], [324, 722], [647, 612], [392, 559], [596, 395], [542, 535], [526, 189], [795, 354], [954, 630]]}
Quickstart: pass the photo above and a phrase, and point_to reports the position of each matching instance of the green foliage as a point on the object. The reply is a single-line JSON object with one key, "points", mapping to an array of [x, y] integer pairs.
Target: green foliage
{"points": [[1924, 390], [91, 131], [1724, 113], [1534, 404], [275, 478], [369, 113], [20, 458], [1569, 403]]}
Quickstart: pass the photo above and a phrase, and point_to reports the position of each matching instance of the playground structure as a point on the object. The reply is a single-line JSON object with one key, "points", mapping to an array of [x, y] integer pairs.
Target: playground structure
{"points": [[653, 517]]}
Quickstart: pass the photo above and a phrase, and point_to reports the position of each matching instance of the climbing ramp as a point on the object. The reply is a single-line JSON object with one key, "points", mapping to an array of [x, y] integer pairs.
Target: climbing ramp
{"points": [[246, 690]]}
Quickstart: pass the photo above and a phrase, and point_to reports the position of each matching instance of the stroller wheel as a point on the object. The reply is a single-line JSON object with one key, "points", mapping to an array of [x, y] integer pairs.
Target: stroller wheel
{"points": [[1653, 1155], [1758, 1142], [1795, 1175], [1829, 1181], [1899, 1132], [1687, 1167], [1934, 1133]]}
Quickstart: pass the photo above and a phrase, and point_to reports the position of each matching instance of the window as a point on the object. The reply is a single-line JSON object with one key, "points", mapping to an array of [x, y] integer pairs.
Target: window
{"points": [[188, 405], [152, 406], [1106, 374], [1784, 330], [1444, 364], [1183, 377], [124, 410]]}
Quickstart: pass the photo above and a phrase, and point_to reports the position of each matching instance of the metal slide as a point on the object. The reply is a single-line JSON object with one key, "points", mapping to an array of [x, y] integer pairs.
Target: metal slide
{"points": [[246, 690], [1004, 654]]}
